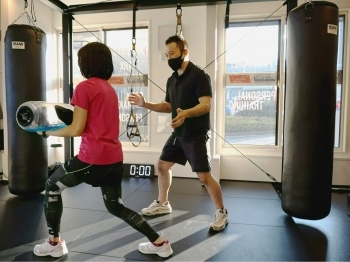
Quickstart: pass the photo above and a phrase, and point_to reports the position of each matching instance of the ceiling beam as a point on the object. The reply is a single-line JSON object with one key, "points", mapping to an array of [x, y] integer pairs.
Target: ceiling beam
{"points": [[102, 7], [156, 4], [141, 5], [117, 6]]}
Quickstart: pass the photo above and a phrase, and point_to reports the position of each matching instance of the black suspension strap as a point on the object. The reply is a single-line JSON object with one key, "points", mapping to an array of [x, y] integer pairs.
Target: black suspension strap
{"points": [[178, 19], [32, 11], [132, 130], [227, 15]]}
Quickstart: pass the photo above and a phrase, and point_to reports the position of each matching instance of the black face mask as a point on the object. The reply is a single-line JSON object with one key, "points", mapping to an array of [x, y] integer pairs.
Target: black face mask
{"points": [[175, 63]]}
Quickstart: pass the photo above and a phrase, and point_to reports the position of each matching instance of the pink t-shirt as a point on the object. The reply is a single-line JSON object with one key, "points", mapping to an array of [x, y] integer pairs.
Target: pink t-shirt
{"points": [[100, 144]]}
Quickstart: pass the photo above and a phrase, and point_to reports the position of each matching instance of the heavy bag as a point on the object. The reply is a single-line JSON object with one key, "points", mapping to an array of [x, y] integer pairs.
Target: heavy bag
{"points": [[38, 116], [25, 76], [310, 101]]}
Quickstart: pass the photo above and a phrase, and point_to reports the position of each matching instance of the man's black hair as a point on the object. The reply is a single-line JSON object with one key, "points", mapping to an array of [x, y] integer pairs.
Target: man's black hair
{"points": [[95, 60], [180, 41]]}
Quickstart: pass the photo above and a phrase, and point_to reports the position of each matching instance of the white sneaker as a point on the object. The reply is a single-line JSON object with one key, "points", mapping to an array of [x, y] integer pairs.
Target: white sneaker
{"points": [[47, 249], [162, 251], [220, 220], [156, 209]]}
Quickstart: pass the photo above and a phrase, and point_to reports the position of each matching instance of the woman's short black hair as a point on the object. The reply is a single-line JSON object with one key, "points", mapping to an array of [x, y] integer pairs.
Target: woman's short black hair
{"points": [[180, 41], [95, 60]]}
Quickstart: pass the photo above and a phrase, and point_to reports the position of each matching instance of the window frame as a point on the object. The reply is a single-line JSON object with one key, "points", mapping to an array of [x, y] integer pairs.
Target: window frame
{"points": [[258, 150], [143, 143], [101, 28], [275, 151], [343, 151]]}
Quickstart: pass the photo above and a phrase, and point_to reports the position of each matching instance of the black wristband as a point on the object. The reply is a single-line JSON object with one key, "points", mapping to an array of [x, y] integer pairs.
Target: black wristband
{"points": [[45, 135]]}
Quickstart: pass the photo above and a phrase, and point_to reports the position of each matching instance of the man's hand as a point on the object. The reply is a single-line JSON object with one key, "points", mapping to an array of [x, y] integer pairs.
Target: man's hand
{"points": [[137, 99], [179, 119]]}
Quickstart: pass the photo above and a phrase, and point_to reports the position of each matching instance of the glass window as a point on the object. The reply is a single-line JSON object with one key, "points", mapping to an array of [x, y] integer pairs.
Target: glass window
{"points": [[251, 82], [339, 81], [79, 39], [128, 79], [124, 79]]}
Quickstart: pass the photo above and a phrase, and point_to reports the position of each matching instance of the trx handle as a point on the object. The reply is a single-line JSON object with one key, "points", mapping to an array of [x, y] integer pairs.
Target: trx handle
{"points": [[134, 129]]}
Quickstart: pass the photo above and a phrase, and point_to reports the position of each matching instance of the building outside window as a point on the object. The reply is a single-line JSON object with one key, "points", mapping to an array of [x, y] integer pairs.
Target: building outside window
{"points": [[252, 63]]}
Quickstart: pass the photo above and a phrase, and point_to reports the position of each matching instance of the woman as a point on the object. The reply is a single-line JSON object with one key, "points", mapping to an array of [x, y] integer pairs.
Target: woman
{"points": [[100, 158]]}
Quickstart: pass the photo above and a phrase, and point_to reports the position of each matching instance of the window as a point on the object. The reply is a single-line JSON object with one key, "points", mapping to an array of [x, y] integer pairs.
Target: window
{"points": [[251, 82], [79, 39], [127, 79], [339, 81]]}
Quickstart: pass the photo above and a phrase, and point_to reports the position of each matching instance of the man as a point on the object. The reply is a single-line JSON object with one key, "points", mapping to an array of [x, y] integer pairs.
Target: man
{"points": [[188, 98]]}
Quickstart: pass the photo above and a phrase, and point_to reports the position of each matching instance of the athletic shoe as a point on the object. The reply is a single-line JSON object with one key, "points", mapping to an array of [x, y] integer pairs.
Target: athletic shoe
{"points": [[156, 209], [47, 249], [162, 251], [220, 220]]}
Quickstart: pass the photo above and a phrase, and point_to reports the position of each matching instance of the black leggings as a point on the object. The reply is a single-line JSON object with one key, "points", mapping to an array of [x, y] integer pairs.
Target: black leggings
{"points": [[62, 179]]}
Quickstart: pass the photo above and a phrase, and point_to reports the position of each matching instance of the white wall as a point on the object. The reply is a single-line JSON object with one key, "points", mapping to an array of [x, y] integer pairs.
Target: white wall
{"points": [[203, 27]]}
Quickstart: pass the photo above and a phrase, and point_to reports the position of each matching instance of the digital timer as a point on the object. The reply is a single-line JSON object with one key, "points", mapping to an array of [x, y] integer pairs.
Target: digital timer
{"points": [[138, 170]]}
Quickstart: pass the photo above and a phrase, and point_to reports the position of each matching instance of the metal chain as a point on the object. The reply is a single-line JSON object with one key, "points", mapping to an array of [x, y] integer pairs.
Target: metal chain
{"points": [[30, 20], [178, 15], [25, 12]]}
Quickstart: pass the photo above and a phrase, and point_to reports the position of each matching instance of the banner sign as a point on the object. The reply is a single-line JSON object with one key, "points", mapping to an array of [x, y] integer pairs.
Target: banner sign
{"points": [[251, 79]]}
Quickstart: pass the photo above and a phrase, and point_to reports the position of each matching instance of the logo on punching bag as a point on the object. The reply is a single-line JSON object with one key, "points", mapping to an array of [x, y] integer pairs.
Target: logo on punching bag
{"points": [[332, 29], [18, 45]]}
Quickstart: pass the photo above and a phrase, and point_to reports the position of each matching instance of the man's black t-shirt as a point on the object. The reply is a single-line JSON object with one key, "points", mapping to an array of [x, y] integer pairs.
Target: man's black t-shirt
{"points": [[183, 92]]}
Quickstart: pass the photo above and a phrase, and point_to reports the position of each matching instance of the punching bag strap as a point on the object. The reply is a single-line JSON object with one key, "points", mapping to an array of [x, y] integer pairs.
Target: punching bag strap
{"points": [[309, 11], [38, 34]]}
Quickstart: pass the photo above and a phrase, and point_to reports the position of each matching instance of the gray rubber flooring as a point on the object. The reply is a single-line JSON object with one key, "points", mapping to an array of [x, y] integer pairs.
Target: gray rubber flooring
{"points": [[258, 229]]}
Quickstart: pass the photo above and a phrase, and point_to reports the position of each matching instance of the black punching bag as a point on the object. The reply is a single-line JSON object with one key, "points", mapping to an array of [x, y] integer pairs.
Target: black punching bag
{"points": [[25, 54], [310, 100]]}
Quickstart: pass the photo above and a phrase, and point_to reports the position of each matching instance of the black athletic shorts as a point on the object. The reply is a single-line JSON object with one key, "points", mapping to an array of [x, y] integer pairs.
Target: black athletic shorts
{"points": [[195, 151], [95, 175]]}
